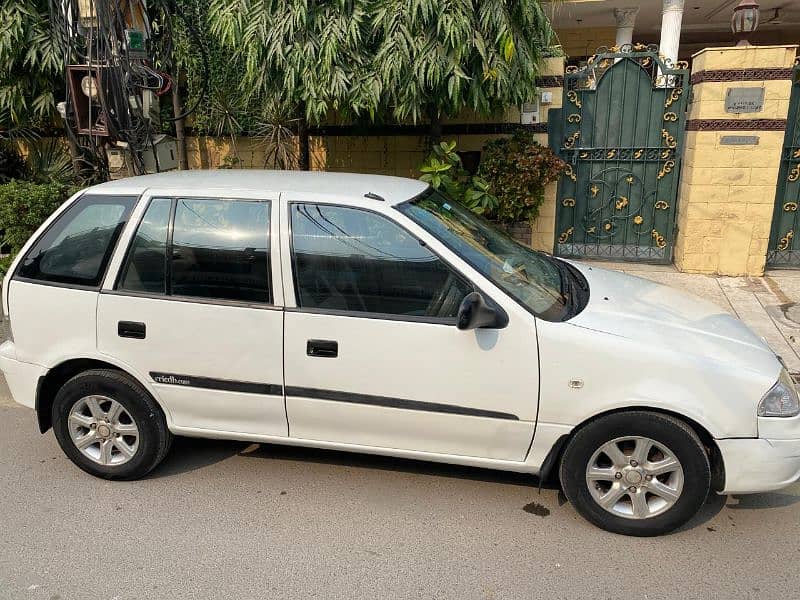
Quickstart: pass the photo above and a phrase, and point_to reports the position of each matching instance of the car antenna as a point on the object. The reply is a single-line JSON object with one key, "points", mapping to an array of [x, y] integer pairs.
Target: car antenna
{"points": [[374, 196]]}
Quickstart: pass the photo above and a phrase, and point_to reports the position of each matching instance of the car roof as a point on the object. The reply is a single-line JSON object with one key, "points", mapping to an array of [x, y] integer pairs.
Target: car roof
{"points": [[392, 189]]}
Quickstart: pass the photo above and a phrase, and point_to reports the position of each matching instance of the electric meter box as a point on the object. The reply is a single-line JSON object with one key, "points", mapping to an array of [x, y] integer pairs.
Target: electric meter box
{"points": [[85, 85], [166, 150], [118, 163], [529, 113], [135, 44]]}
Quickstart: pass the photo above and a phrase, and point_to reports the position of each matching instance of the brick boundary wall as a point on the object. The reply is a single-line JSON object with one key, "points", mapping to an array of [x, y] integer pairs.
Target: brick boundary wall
{"points": [[500, 128]]}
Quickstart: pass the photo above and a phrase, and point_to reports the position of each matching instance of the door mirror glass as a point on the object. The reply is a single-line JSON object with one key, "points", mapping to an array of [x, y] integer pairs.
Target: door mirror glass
{"points": [[475, 313]]}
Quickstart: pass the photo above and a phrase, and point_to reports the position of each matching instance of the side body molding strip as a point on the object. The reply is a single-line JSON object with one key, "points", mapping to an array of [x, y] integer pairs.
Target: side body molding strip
{"points": [[269, 389], [385, 401]]}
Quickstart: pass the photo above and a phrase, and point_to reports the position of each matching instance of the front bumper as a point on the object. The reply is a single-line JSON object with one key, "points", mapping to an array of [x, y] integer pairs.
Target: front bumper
{"points": [[22, 378], [759, 465]]}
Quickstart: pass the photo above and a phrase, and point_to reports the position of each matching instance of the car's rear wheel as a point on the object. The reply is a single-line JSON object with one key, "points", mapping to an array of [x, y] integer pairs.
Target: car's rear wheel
{"points": [[109, 426], [636, 473]]}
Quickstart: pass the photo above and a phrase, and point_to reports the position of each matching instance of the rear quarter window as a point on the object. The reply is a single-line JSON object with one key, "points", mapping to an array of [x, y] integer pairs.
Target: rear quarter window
{"points": [[77, 247]]}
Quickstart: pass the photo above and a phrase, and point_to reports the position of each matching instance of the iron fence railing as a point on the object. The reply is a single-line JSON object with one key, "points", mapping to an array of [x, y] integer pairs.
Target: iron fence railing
{"points": [[784, 247]]}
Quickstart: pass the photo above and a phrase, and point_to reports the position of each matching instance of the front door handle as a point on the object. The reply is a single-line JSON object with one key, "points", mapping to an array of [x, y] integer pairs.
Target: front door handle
{"points": [[322, 348], [132, 329]]}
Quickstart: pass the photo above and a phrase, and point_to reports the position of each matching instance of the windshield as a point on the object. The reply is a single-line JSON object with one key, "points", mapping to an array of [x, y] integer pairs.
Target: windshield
{"points": [[530, 277]]}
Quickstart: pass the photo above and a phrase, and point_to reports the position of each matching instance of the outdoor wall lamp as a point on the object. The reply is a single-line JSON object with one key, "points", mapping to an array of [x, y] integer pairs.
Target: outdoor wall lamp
{"points": [[744, 21]]}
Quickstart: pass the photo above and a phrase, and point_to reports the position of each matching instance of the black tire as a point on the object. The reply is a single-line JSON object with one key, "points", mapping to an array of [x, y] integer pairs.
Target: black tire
{"points": [[154, 437], [673, 433]]}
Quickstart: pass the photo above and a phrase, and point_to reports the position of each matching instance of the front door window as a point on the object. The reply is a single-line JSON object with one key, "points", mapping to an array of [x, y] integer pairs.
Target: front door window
{"points": [[354, 260]]}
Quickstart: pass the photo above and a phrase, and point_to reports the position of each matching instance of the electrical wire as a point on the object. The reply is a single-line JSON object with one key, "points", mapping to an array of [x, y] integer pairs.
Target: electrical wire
{"points": [[94, 35], [170, 4]]}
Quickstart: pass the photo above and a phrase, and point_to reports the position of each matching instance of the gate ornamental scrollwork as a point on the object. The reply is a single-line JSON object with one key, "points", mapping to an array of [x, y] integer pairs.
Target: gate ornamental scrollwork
{"points": [[622, 135], [784, 250]]}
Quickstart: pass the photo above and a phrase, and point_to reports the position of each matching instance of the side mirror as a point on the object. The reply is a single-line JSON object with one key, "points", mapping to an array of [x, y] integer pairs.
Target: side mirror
{"points": [[474, 313]]}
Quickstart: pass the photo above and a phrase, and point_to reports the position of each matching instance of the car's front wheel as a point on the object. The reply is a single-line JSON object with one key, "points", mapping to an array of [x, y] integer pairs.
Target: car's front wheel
{"points": [[109, 426], [636, 473]]}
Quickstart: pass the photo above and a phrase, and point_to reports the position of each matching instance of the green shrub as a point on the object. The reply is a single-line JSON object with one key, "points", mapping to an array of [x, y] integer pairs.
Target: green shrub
{"points": [[444, 171], [24, 206], [517, 170], [5, 263]]}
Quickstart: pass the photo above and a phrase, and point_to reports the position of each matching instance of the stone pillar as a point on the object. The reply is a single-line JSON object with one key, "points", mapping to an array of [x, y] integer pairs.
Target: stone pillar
{"points": [[543, 234], [730, 165], [671, 18], [626, 19]]}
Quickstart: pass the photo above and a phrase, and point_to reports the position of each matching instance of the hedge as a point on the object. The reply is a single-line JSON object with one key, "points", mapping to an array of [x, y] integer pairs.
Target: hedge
{"points": [[24, 206]]}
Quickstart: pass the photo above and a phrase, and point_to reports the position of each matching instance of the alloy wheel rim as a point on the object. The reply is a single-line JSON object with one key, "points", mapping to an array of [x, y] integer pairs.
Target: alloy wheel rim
{"points": [[635, 477], [103, 431]]}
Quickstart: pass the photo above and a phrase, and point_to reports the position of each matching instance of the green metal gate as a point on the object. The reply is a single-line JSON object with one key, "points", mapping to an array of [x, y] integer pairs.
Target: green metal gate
{"points": [[783, 248], [621, 133]]}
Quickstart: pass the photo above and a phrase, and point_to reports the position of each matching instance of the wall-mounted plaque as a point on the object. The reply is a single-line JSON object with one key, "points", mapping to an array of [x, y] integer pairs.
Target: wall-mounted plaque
{"points": [[738, 140], [744, 100]]}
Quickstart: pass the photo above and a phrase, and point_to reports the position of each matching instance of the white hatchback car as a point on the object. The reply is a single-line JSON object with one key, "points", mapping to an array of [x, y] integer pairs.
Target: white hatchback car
{"points": [[373, 314]]}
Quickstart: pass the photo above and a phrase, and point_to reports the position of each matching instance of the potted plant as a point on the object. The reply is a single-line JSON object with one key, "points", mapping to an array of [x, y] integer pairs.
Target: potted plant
{"points": [[517, 170]]}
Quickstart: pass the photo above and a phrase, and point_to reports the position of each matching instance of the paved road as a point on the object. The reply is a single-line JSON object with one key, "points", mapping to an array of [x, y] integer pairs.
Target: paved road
{"points": [[238, 520], [235, 520]]}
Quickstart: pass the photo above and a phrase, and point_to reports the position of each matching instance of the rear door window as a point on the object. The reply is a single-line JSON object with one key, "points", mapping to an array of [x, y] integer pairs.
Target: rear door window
{"points": [[202, 248], [146, 268], [76, 248], [220, 249]]}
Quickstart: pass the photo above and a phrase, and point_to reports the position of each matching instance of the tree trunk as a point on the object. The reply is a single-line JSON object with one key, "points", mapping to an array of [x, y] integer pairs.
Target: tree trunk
{"points": [[435, 132], [303, 139], [75, 155], [180, 134]]}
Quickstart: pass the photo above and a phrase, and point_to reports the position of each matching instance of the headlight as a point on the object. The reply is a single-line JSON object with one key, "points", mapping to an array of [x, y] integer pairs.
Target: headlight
{"points": [[781, 400]]}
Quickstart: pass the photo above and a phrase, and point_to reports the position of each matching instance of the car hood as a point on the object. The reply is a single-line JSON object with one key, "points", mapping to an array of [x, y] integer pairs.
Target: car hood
{"points": [[661, 316]]}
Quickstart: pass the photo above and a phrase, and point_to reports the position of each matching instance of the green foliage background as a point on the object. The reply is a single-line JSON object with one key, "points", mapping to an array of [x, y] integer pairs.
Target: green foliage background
{"points": [[226, 109], [397, 60], [375, 60], [31, 69]]}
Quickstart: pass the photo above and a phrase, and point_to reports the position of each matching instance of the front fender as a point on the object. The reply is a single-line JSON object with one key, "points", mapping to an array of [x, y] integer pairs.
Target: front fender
{"points": [[585, 373]]}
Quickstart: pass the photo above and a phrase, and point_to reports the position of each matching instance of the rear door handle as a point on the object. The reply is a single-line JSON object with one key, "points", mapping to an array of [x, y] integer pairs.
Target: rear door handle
{"points": [[132, 329], [322, 348]]}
